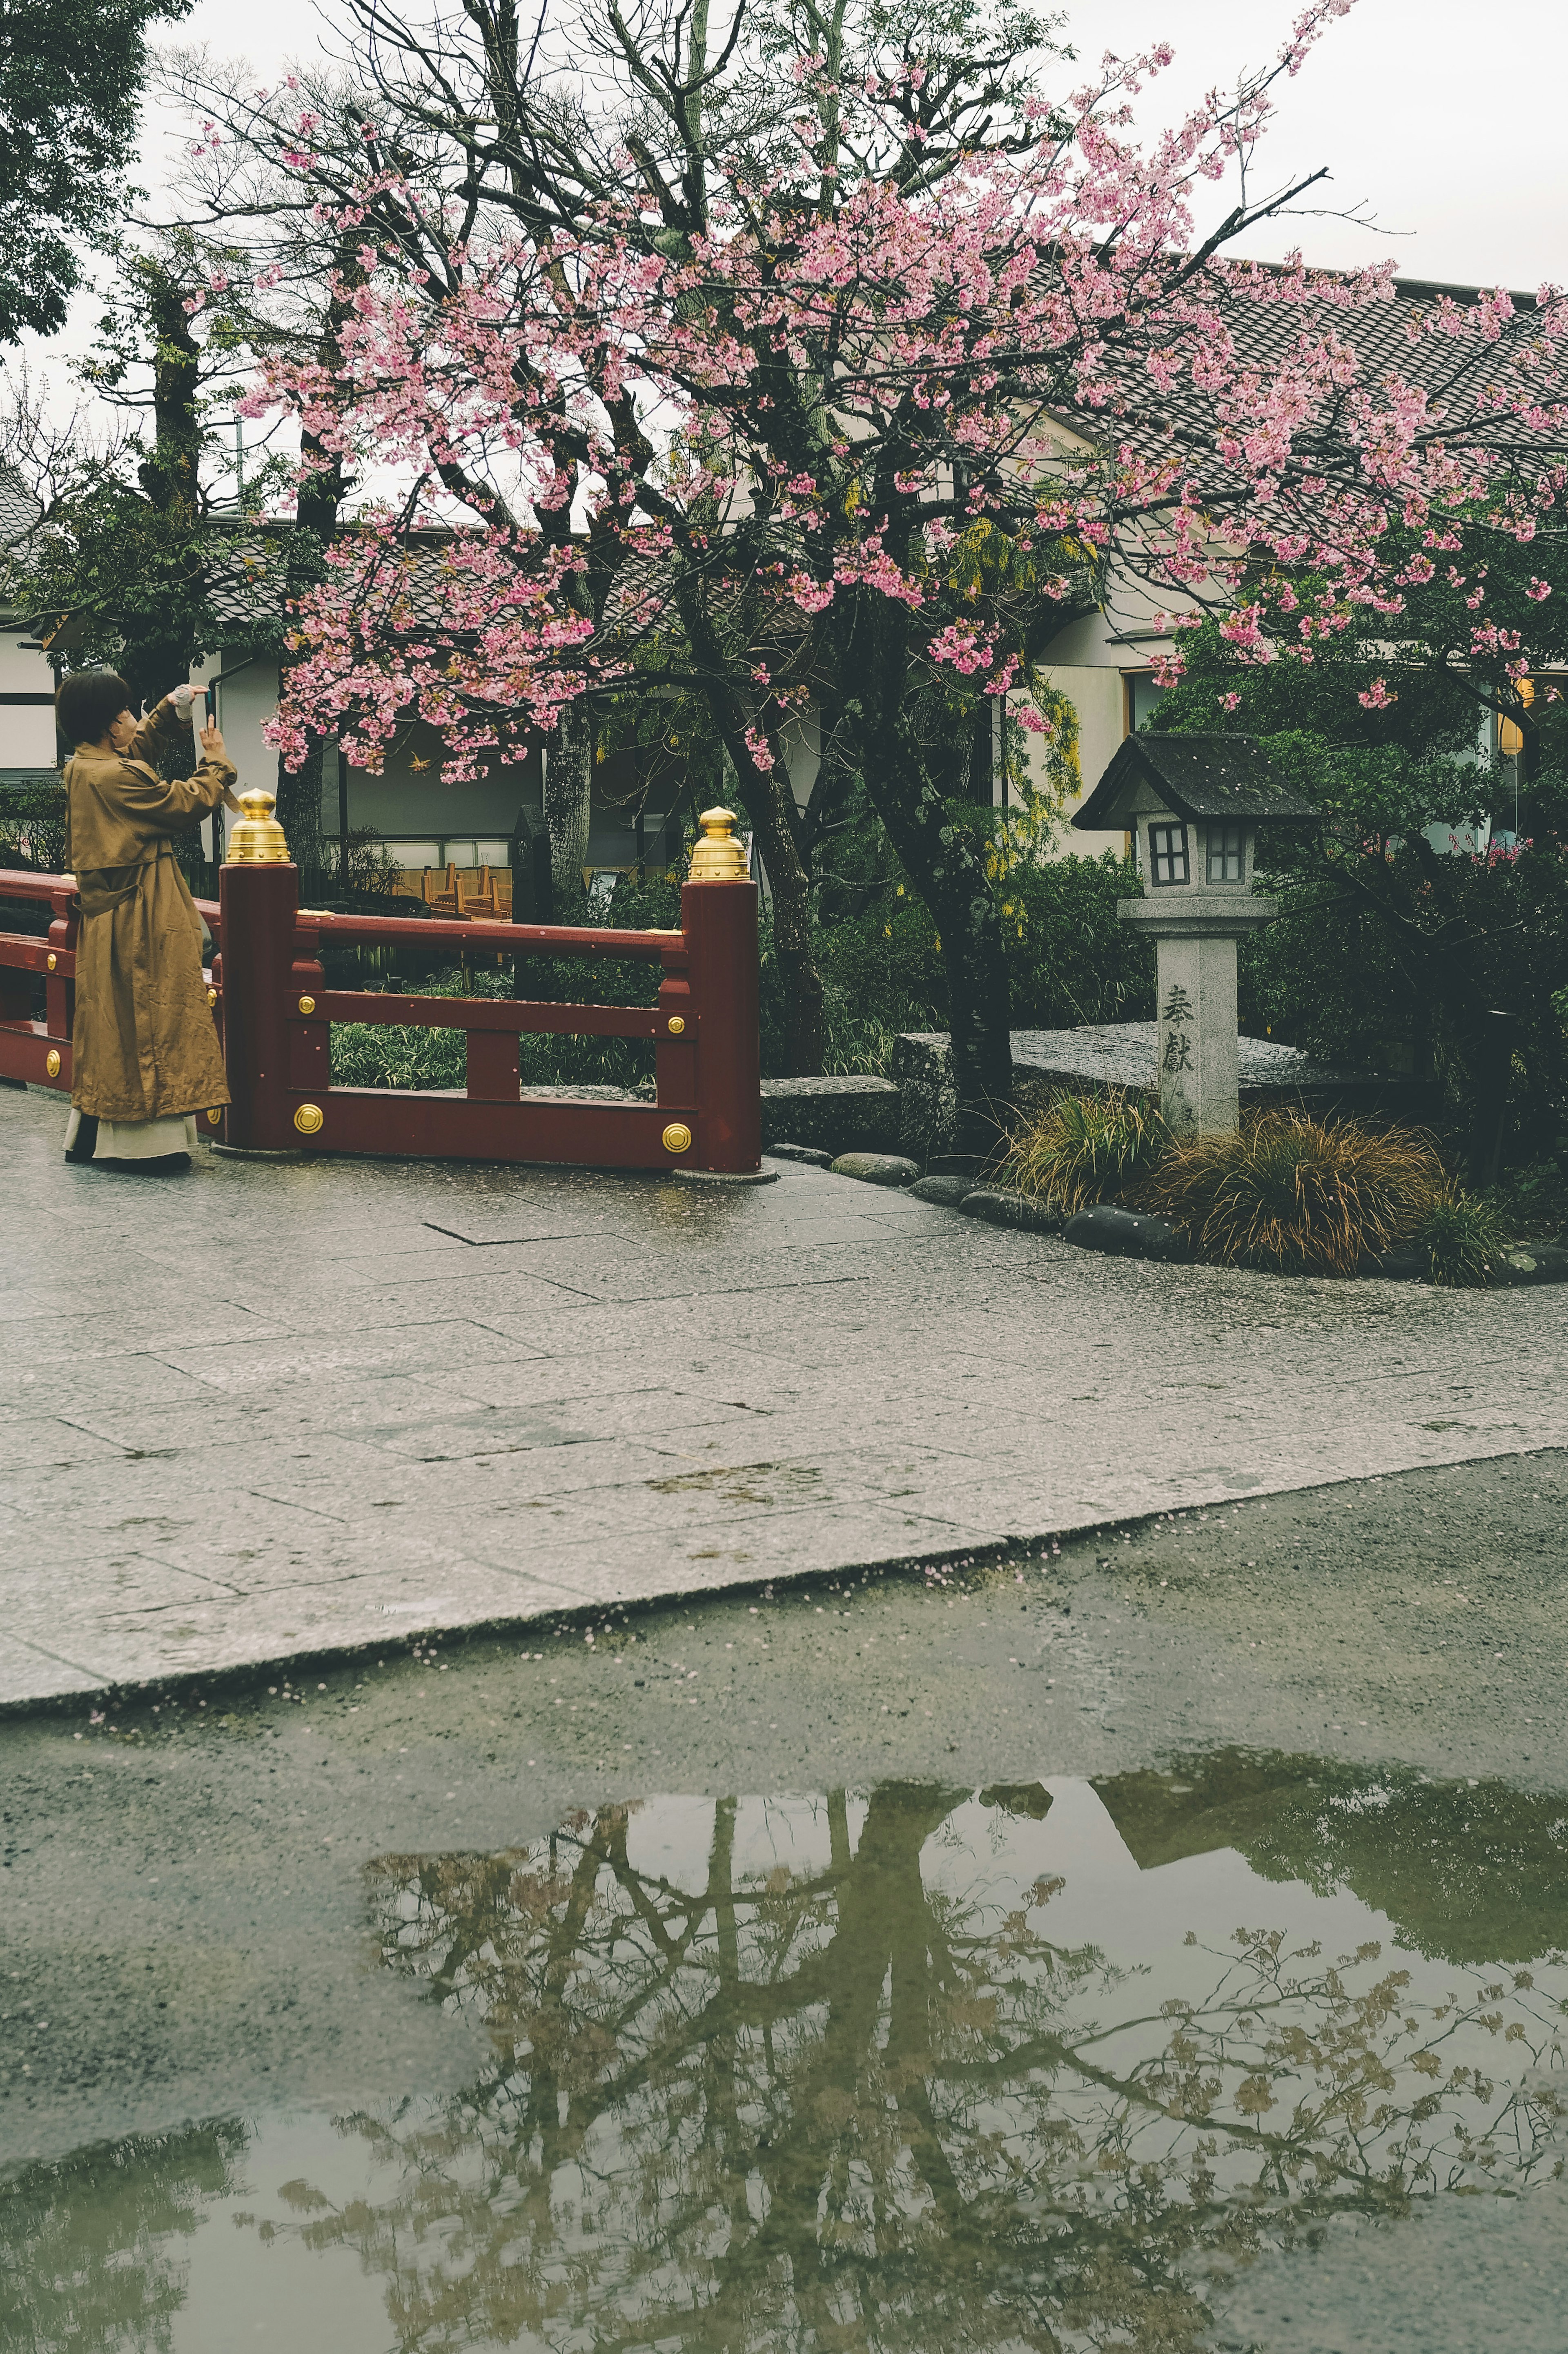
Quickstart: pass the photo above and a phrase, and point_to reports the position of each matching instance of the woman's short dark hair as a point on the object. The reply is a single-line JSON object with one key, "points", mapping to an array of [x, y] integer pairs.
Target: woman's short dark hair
{"points": [[87, 703]]}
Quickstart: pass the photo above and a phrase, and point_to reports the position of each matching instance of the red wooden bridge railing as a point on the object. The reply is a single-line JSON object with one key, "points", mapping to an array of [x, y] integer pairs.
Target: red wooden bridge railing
{"points": [[274, 1012], [38, 1051]]}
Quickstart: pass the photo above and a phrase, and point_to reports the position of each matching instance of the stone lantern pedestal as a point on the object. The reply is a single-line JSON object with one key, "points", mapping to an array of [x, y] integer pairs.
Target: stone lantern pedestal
{"points": [[1195, 1002], [1193, 804]]}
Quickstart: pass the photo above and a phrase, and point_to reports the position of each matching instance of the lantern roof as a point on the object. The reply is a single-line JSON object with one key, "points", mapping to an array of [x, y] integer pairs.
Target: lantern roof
{"points": [[1195, 777]]}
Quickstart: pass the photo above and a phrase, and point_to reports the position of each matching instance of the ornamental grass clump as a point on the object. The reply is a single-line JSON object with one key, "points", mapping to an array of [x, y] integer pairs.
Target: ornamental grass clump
{"points": [[1464, 1239], [1297, 1195], [1085, 1149]]}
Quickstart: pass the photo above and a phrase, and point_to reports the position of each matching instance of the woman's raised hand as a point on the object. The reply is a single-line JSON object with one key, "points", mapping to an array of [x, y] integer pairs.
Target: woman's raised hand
{"points": [[212, 746]]}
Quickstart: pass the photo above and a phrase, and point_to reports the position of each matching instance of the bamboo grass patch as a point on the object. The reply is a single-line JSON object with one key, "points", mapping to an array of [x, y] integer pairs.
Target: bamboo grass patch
{"points": [[1463, 1238], [1085, 1149], [1297, 1195]]}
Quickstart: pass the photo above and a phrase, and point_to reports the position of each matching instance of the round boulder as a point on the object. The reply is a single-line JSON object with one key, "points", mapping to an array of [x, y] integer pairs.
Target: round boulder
{"points": [[999, 1206], [876, 1168], [947, 1192], [1126, 1234]]}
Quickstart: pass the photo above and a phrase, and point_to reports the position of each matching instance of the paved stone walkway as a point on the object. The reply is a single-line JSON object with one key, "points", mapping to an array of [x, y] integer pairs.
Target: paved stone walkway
{"points": [[272, 1408]]}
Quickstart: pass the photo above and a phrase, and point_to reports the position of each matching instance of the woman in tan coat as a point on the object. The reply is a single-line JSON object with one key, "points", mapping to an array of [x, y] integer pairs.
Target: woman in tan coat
{"points": [[145, 1056]]}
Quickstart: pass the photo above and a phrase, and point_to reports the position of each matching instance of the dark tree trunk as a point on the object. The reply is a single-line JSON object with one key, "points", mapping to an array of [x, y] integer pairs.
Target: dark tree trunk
{"points": [[907, 778], [769, 800], [568, 796], [300, 790], [319, 503], [805, 1010], [300, 808], [155, 661]]}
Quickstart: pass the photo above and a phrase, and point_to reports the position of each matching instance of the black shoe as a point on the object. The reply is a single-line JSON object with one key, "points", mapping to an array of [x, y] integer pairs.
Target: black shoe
{"points": [[160, 1165], [85, 1138]]}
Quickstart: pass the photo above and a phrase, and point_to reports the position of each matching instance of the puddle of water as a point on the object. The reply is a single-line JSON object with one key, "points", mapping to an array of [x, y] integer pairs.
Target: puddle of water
{"points": [[907, 2070]]}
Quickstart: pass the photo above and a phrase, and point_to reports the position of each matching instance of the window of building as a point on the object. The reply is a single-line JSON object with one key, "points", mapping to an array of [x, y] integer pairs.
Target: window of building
{"points": [[1168, 852], [1224, 853], [1143, 694]]}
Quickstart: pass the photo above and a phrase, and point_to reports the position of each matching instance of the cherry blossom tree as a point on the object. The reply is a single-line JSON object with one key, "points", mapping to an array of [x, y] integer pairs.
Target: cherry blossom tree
{"points": [[829, 397]]}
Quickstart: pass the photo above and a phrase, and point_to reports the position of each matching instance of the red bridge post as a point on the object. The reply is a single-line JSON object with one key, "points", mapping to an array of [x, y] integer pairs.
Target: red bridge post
{"points": [[258, 902], [718, 916]]}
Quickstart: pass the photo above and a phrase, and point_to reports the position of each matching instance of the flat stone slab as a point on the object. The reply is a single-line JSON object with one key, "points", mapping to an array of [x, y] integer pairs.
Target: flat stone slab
{"points": [[855, 1114], [270, 1410], [1122, 1054]]}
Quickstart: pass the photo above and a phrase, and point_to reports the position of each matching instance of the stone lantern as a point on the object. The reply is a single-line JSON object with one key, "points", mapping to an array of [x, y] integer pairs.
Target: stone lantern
{"points": [[1193, 804]]}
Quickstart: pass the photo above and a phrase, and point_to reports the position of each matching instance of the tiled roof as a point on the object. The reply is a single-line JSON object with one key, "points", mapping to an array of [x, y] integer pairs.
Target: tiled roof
{"points": [[19, 509], [1453, 368], [1197, 777]]}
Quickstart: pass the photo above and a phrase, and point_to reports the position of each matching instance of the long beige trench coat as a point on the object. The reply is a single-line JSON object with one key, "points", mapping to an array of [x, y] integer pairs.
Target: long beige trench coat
{"points": [[143, 1044]]}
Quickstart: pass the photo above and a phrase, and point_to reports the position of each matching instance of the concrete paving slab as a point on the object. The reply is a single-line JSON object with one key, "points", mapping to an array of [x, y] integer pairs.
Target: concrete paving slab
{"points": [[285, 1407]]}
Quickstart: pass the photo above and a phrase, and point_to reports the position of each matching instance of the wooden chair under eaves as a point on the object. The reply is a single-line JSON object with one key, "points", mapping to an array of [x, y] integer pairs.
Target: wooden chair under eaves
{"points": [[443, 902], [485, 903]]}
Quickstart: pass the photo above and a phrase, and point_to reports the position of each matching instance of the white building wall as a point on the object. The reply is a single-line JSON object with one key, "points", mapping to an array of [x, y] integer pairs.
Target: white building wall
{"points": [[27, 703], [423, 820], [1090, 661]]}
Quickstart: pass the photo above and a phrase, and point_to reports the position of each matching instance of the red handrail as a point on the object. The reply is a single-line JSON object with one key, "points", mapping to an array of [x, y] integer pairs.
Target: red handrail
{"points": [[38, 1051], [274, 1012]]}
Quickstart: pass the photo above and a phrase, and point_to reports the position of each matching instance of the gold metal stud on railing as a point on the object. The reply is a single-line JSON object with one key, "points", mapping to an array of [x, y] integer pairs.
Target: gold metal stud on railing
{"points": [[52, 1064], [718, 857], [257, 839], [307, 1006], [677, 1136], [677, 1025], [49, 961], [309, 1118]]}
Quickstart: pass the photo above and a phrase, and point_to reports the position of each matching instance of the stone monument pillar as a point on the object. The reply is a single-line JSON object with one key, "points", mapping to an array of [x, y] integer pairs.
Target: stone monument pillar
{"points": [[1195, 997]]}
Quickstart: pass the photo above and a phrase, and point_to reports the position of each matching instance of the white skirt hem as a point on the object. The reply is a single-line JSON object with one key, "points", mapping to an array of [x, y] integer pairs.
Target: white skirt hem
{"points": [[138, 1139]]}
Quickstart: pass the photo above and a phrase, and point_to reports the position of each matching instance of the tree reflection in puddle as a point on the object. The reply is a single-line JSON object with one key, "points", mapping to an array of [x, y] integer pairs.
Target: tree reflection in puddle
{"points": [[915, 2070], [918, 2069]]}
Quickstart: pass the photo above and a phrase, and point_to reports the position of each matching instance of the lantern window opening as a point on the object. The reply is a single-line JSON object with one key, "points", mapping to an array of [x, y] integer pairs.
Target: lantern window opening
{"points": [[1168, 854], [1227, 858]]}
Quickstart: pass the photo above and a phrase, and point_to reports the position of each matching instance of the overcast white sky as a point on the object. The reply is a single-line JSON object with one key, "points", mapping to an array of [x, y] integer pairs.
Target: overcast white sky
{"points": [[1445, 119]]}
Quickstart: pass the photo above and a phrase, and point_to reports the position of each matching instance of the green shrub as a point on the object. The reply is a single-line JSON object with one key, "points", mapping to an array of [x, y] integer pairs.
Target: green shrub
{"points": [[1464, 1237], [1070, 957], [365, 1054], [370, 1054], [33, 822], [1085, 1149], [1297, 1196]]}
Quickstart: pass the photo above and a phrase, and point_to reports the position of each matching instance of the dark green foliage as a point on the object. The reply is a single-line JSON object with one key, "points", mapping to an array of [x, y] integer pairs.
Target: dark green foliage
{"points": [[1070, 957], [32, 825], [70, 79], [1397, 939], [1531, 1200], [1069, 961]]}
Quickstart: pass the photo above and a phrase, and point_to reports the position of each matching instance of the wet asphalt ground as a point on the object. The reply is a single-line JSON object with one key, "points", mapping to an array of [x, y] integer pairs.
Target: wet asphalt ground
{"points": [[182, 1928]]}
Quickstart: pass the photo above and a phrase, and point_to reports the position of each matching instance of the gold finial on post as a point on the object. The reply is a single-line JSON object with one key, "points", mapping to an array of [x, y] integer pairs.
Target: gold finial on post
{"points": [[257, 839], [718, 857]]}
